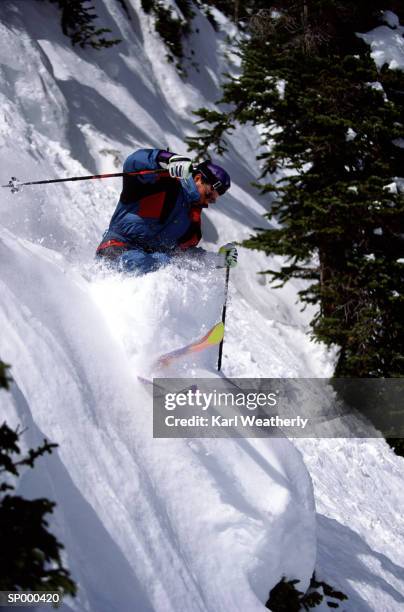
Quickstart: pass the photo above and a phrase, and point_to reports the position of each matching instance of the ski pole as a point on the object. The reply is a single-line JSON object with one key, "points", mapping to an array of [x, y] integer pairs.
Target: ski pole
{"points": [[226, 292], [15, 185]]}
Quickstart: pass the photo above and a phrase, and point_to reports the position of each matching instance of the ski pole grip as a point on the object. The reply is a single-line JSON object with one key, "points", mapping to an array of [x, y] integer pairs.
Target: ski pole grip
{"points": [[13, 184]]}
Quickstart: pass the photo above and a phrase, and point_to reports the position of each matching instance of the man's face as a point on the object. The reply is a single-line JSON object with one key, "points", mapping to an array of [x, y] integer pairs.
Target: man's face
{"points": [[207, 195]]}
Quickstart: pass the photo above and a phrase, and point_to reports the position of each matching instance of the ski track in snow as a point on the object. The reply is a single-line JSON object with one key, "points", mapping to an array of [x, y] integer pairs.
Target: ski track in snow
{"points": [[167, 525]]}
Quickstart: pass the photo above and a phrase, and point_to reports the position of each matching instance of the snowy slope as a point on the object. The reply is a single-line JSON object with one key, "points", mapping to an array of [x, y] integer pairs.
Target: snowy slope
{"points": [[161, 524], [199, 525]]}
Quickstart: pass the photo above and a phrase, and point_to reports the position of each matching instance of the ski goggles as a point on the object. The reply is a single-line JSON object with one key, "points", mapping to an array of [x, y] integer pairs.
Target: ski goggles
{"points": [[216, 176]]}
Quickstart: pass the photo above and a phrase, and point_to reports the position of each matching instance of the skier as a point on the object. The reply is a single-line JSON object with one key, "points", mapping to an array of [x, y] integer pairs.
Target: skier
{"points": [[159, 216]]}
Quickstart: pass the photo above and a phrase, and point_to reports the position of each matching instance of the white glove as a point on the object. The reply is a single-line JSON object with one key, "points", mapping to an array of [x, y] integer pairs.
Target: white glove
{"points": [[180, 167], [230, 254]]}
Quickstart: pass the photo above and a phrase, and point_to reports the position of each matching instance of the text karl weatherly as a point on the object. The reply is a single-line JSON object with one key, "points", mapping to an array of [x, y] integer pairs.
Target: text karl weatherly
{"points": [[234, 421]]}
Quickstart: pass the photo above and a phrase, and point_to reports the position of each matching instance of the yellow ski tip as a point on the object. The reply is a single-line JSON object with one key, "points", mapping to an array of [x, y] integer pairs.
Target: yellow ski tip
{"points": [[216, 334], [213, 337]]}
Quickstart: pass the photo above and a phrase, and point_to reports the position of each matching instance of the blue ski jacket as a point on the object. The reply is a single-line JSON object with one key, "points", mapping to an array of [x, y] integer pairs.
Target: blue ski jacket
{"points": [[155, 213]]}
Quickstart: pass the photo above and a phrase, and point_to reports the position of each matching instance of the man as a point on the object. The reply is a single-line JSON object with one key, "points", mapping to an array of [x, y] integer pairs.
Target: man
{"points": [[159, 215]]}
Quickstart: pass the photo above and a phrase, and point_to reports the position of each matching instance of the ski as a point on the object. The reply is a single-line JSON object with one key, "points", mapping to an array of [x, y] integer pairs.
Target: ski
{"points": [[212, 338]]}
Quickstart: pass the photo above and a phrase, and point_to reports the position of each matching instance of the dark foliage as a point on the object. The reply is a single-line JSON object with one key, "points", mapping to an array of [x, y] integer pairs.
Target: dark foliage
{"points": [[285, 597], [29, 553], [78, 19], [171, 28], [380, 400], [331, 121], [397, 444], [186, 9], [148, 5], [237, 10]]}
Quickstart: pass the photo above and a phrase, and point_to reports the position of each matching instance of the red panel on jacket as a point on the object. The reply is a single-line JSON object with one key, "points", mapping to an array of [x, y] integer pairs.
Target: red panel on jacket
{"points": [[151, 206]]}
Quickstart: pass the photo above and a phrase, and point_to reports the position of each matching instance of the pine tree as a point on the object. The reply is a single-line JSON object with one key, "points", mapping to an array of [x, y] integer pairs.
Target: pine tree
{"points": [[29, 554], [285, 596], [171, 27], [235, 9], [78, 19], [331, 124]]}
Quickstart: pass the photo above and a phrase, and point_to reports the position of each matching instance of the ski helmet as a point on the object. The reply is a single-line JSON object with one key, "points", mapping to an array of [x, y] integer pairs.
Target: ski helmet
{"points": [[214, 175]]}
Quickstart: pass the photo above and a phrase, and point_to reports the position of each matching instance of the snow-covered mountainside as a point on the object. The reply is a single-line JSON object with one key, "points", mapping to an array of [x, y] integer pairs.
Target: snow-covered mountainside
{"points": [[162, 524]]}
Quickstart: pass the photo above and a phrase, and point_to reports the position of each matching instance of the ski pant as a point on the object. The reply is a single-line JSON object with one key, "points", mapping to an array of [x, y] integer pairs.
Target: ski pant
{"points": [[137, 261], [134, 260]]}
